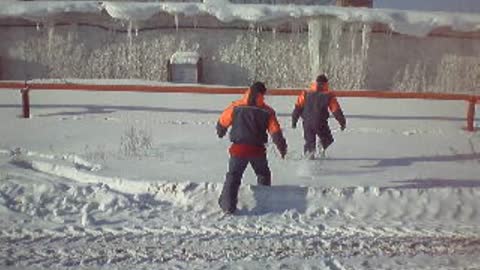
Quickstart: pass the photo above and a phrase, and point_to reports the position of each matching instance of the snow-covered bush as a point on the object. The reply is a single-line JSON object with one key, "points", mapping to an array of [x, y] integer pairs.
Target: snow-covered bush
{"points": [[95, 154], [135, 142]]}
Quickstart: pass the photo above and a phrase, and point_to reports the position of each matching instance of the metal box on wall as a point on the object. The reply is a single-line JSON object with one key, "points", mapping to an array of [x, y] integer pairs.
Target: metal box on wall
{"points": [[185, 67]]}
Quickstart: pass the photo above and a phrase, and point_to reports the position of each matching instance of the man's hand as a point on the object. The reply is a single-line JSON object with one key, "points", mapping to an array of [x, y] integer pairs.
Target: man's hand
{"points": [[280, 142], [221, 131], [294, 125]]}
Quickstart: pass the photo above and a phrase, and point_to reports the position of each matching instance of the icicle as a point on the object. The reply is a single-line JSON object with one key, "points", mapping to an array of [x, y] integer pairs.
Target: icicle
{"points": [[353, 38], [389, 32], [274, 33], [136, 31], [196, 47], [74, 29], [195, 22], [129, 32], [295, 28], [70, 34], [130, 40], [38, 26], [251, 27], [365, 39], [182, 47], [176, 21], [51, 32]]}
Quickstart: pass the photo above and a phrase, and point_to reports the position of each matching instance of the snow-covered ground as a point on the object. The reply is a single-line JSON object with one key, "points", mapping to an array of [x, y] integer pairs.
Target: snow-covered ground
{"points": [[131, 180]]}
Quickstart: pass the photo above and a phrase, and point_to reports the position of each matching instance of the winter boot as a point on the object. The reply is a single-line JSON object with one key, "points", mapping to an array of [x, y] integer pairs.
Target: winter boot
{"points": [[310, 155], [322, 153]]}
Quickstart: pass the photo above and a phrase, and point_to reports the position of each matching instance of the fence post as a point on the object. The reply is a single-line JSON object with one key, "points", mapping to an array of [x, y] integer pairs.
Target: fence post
{"points": [[471, 114], [25, 102]]}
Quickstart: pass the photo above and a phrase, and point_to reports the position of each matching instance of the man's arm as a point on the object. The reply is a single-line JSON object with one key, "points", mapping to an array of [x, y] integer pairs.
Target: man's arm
{"points": [[225, 121], [337, 112], [298, 110], [276, 133]]}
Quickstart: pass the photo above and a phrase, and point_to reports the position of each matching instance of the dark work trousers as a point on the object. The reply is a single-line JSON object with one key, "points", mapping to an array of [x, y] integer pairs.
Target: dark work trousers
{"points": [[310, 133], [236, 166]]}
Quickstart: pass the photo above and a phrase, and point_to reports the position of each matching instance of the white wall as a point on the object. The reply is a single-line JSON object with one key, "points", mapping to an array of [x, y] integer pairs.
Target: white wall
{"points": [[358, 57], [230, 57], [352, 56], [471, 6]]}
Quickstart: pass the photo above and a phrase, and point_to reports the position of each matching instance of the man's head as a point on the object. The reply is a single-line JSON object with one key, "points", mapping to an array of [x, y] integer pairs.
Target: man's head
{"points": [[258, 87], [321, 79], [320, 82], [255, 89]]}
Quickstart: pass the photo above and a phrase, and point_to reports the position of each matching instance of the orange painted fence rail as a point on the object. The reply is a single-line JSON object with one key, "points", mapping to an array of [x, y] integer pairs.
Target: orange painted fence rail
{"points": [[26, 87]]}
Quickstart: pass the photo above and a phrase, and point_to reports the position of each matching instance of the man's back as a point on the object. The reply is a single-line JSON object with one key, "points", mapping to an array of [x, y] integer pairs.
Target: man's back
{"points": [[250, 125], [316, 107]]}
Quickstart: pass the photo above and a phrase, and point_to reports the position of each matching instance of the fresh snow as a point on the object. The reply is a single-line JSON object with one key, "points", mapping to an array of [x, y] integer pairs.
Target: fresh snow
{"points": [[417, 23], [131, 181], [185, 58]]}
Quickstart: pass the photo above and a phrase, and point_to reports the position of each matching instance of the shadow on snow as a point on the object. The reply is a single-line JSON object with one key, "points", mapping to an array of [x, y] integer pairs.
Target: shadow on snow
{"points": [[407, 161], [433, 183], [106, 109], [276, 199], [103, 109]]}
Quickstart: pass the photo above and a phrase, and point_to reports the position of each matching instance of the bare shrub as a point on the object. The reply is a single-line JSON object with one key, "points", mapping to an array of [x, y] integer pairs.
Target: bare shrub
{"points": [[135, 142], [95, 154]]}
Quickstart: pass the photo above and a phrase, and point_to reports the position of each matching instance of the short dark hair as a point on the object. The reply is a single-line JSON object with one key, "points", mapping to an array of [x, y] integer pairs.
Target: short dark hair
{"points": [[255, 89], [321, 78], [258, 87]]}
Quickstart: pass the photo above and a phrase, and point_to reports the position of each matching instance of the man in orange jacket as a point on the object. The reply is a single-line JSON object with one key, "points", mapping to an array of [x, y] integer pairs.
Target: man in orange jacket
{"points": [[250, 118], [313, 106]]}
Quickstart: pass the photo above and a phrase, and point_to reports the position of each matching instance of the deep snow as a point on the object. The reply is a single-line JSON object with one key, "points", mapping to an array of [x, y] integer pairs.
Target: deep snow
{"points": [[131, 181], [410, 22]]}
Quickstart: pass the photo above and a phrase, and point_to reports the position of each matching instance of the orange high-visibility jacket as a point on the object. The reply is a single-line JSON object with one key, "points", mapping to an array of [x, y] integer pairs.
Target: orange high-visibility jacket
{"points": [[313, 106], [250, 119]]}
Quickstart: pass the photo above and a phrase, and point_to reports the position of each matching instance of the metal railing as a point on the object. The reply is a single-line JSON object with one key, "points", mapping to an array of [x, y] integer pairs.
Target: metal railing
{"points": [[26, 87]]}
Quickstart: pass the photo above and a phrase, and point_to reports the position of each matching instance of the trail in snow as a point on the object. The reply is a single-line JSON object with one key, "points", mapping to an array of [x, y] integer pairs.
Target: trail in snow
{"points": [[408, 205], [142, 247], [396, 205], [124, 222]]}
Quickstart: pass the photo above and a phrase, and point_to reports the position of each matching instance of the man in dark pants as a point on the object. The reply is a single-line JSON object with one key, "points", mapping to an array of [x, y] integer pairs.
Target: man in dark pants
{"points": [[250, 119], [313, 106]]}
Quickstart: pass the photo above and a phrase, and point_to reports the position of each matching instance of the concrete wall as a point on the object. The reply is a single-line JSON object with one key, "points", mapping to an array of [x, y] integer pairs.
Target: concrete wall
{"points": [[433, 64], [358, 57], [352, 55], [230, 57]]}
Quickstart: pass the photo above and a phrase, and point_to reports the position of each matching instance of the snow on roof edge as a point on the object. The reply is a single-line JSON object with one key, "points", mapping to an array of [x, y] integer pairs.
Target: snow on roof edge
{"points": [[182, 57], [416, 23]]}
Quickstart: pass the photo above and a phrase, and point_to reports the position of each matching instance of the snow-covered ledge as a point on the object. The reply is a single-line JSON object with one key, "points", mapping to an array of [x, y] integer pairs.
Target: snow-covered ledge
{"points": [[416, 23], [180, 57]]}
